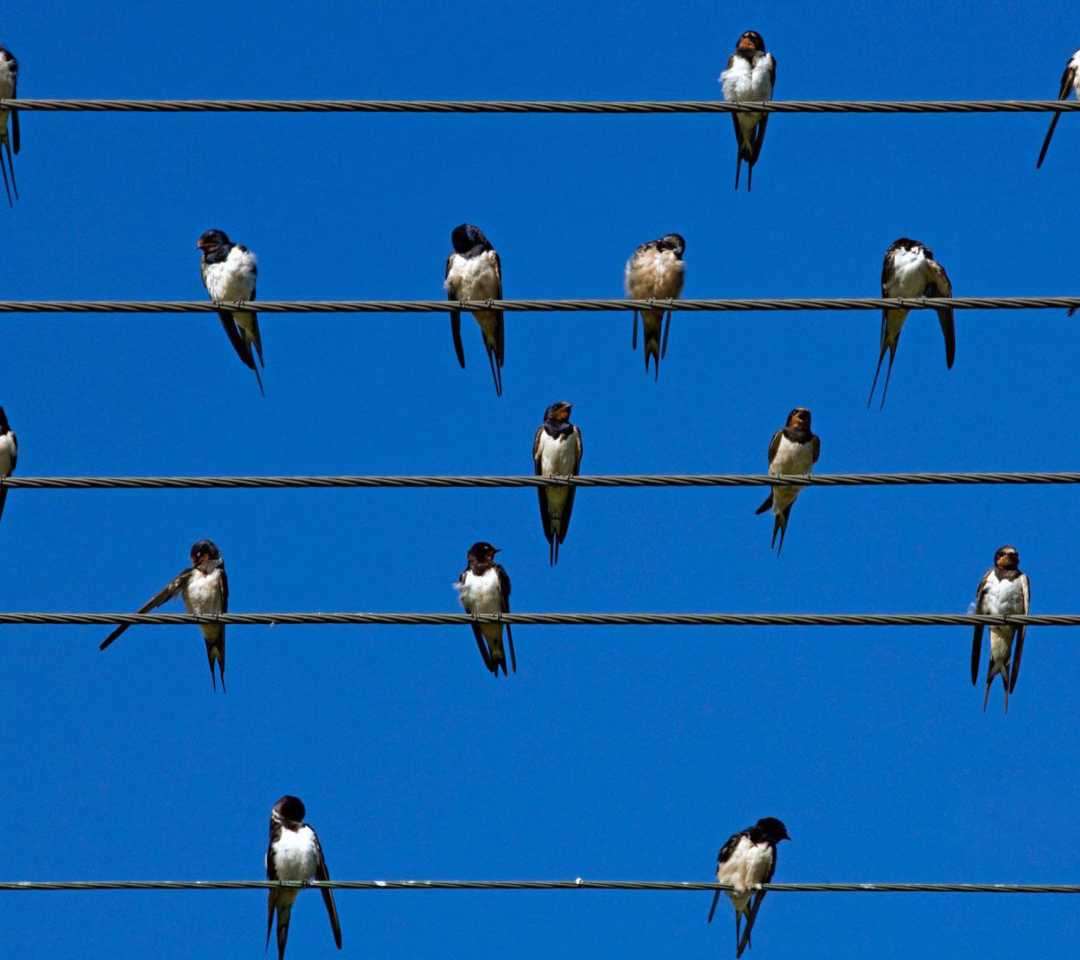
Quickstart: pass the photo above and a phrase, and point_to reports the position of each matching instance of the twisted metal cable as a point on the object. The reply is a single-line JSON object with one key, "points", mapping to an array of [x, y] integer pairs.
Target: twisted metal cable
{"points": [[611, 481], [578, 884], [558, 619], [547, 305], [543, 106]]}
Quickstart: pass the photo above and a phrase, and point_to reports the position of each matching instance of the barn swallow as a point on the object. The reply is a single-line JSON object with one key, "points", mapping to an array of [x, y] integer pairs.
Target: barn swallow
{"points": [[1070, 80], [205, 591], [229, 272], [294, 854], [9, 85], [1003, 590], [793, 452], [9, 456], [748, 859], [484, 587], [473, 272], [750, 75], [557, 453], [910, 270], [656, 270]]}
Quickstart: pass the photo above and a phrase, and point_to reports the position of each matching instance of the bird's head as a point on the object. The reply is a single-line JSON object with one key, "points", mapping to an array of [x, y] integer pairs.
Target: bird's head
{"points": [[290, 808], [212, 240], [799, 418], [559, 411], [673, 242], [482, 552], [772, 830], [750, 42], [1007, 558], [204, 550], [466, 237]]}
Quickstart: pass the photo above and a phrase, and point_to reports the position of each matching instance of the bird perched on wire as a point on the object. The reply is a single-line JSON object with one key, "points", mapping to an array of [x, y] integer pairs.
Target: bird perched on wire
{"points": [[655, 271], [294, 854], [750, 76], [1003, 590], [484, 587], [204, 588], [9, 456], [557, 453], [473, 272], [747, 860], [909, 271], [1070, 80], [793, 452], [9, 120], [229, 272]]}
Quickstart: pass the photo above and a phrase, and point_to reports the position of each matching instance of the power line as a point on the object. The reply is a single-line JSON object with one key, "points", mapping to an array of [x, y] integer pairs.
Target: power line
{"points": [[529, 481], [557, 619], [579, 884], [546, 305], [543, 106]]}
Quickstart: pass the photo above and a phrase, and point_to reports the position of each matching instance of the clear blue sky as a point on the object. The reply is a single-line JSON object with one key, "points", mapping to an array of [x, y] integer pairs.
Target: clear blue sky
{"points": [[614, 753]]}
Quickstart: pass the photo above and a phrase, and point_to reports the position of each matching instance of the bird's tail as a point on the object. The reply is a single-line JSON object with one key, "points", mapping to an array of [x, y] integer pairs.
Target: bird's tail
{"points": [[1049, 137], [3, 499], [712, 909], [215, 651], [498, 655], [653, 321], [767, 505]]}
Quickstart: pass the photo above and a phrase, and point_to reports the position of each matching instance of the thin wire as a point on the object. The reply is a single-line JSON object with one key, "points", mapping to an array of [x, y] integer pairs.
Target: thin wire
{"points": [[559, 619], [610, 481], [519, 306], [579, 884], [544, 106]]}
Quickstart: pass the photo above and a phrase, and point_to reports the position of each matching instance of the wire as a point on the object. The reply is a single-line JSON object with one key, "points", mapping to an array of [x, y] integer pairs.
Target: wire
{"points": [[519, 306], [544, 106], [559, 619], [613, 480], [579, 884]]}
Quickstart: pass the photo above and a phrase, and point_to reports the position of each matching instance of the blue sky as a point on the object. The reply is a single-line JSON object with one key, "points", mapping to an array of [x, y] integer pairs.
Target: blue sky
{"points": [[614, 753]]}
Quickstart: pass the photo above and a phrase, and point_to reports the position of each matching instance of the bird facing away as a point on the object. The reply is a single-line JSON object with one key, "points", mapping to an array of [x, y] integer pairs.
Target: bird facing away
{"points": [[229, 272], [793, 452], [294, 854], [557, 453], [9, 456], [750, 76], [204, 589], [9, 120], [1003, 590], [473, 272], [1070, 80], [655, 271], [747, 860], [910, 270], [484, 587]]}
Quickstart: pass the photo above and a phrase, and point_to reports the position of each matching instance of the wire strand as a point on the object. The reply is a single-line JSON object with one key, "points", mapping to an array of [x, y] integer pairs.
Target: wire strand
{"points": [[542, 106], [541, 306]]}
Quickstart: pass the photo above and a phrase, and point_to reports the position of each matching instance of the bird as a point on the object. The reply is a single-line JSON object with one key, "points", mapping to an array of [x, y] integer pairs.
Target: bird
{"points": [[750, 75], [655, 271], [9, 456], [484, 587], [1070, 79], [229, 272], [294, 854], [557, 453], [910, 270], [1002, 590], [748, 859], [473, 272], [204, 588], [793, 452], [9, 120]]}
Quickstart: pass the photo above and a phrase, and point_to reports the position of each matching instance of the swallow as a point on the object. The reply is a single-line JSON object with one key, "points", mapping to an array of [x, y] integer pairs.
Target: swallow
{"points": [[910, 270], [9, 135], [793, 452], [747, 860], [294, 854], [9, 456], [750, 75], [484, 587], [204, 588], [1003, 590], [1070, 79], [557, 453], [656, 270], [473, 272], [229, 272]]}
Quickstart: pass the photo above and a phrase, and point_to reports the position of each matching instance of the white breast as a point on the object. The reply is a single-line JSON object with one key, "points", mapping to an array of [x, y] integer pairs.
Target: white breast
{"points": [[234, 278], [7, 80], [481, 594], [1074, 63], [557, 454], [1001, 597], [474, 278], [792, 458], [743, 81], [910, 274], [748, 866], [654, 273], [203, 592], [7, 454], [295, 854]]}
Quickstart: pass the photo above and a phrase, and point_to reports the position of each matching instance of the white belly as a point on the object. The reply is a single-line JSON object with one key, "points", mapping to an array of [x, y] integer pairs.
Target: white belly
{"points": [[748, 866], [474, 278], [203, 593], [295, 856], [655, 273], [741, 81], [234, 279], [7, 454], [7, 81], [481, 594]]}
